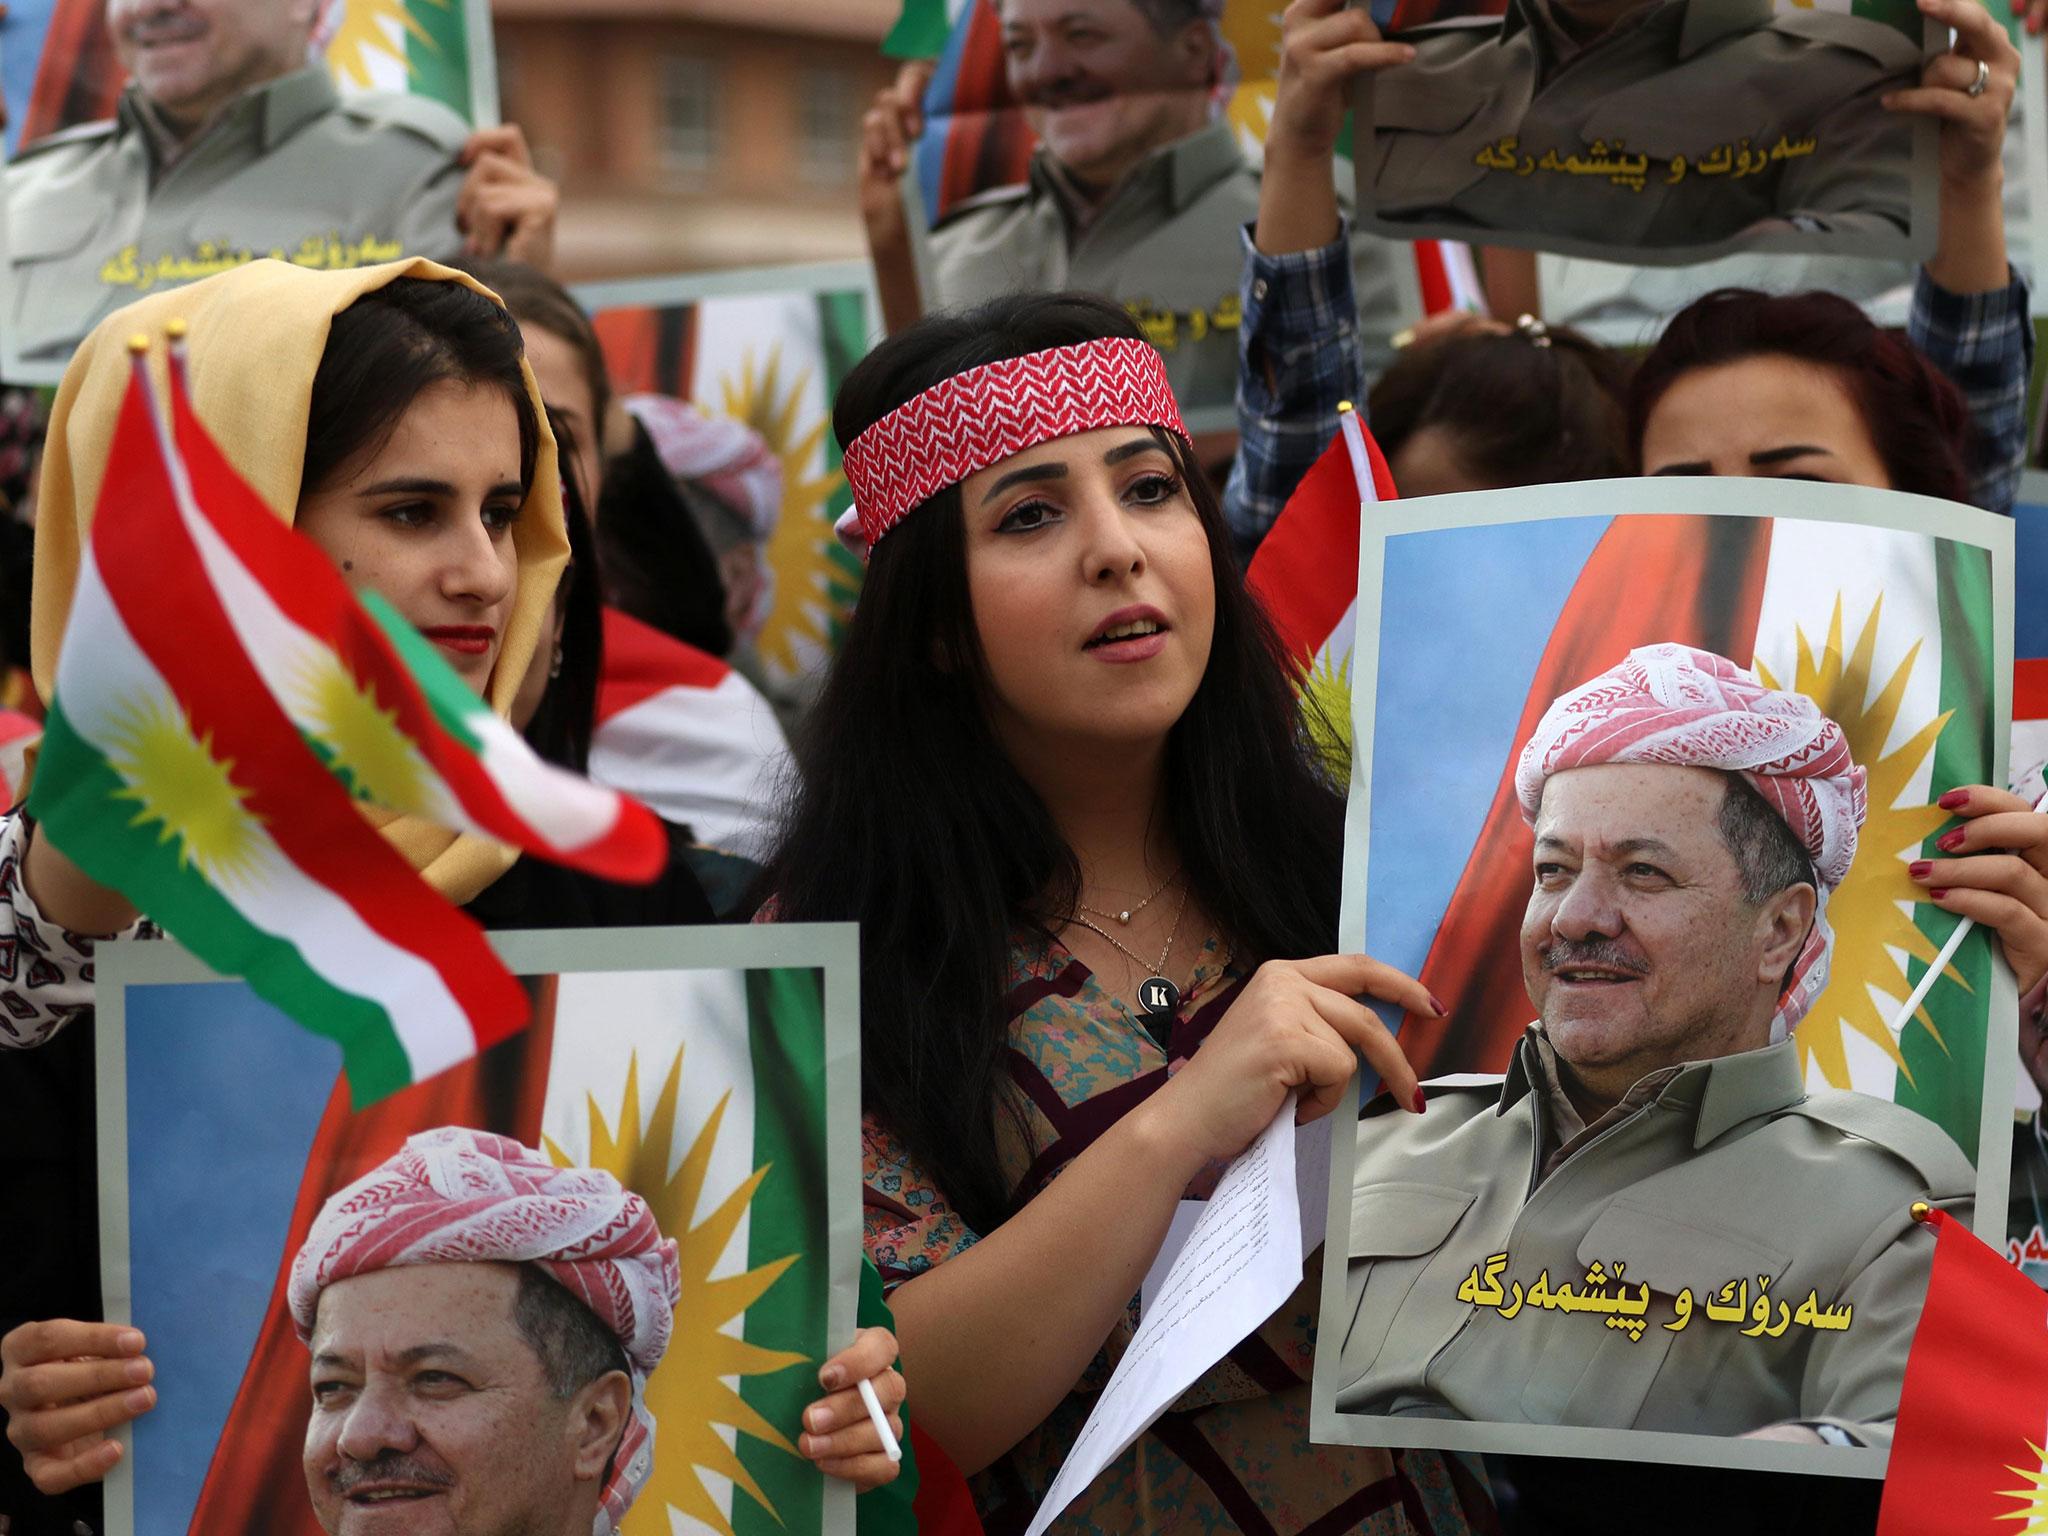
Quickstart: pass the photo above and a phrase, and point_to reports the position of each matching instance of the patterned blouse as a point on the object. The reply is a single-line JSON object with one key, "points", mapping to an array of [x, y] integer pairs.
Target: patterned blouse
{"points": [[1233, 1454], [45, 969]]}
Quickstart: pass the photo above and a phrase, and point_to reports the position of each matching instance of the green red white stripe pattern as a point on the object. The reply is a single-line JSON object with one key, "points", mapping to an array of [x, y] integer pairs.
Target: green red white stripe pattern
{"points": [[375, 699], [167, 774]]}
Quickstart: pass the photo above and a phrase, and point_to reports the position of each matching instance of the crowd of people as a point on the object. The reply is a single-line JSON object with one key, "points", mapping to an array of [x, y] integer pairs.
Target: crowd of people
{"points": [[1058, 771]]}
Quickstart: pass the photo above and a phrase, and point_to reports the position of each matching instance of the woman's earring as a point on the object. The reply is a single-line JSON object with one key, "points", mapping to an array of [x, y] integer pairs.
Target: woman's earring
{"points": [[555, 666]]}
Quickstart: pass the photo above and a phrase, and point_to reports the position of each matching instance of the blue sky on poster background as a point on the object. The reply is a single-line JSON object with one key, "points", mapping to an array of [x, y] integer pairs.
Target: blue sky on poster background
{"points": [[191, 1147]]}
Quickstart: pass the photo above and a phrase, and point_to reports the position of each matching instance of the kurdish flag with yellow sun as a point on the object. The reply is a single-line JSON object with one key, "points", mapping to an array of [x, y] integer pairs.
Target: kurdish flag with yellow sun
{"points": [[221, 699], [713, 1071], [1475, 611], [168, 773], [440, 49]]}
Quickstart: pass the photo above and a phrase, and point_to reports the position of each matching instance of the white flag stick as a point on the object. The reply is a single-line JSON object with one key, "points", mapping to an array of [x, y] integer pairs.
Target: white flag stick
{"points": [[1361, 461], [1948, 953]]}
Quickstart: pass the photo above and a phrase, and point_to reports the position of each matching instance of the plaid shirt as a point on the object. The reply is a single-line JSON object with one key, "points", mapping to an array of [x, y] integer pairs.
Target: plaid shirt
{"points": [[1984, 342], [1298, 358]]}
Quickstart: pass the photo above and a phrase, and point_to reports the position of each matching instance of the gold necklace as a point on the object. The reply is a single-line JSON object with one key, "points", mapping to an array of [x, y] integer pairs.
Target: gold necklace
{"points": [[1124, 917], [1158, 998]]}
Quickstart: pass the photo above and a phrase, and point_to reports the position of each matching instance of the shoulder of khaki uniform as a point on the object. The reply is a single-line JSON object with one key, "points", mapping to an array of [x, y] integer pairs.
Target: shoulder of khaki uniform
{"points": [[1915, 1140], [1484, 1086], [1876, 40], [83, 133], [418, 115], [982, 202]]}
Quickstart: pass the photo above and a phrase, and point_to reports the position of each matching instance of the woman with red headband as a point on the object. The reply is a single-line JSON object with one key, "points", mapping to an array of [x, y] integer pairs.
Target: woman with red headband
{"points": [[1060, 778]]}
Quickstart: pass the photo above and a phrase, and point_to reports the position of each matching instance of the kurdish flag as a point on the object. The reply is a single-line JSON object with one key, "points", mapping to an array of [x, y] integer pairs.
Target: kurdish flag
{"points": [[689, 735], [416, 47], [1306, 568], [772, 358], [382, 709], [168, 773], [709, 1077], [1968, 1455], [1479, 627]]}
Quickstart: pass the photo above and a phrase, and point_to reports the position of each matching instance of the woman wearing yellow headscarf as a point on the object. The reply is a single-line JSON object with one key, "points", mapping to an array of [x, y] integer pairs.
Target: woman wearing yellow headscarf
{"points": [[390, 415]]}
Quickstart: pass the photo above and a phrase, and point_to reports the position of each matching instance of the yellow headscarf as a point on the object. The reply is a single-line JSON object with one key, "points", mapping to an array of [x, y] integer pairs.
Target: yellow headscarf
{"points": [[255, 339]]}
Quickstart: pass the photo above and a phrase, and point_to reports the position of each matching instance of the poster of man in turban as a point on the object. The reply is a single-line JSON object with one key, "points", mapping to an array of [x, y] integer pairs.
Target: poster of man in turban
{"points": [[1654, 131], [635, 1219], [1657, 858]]}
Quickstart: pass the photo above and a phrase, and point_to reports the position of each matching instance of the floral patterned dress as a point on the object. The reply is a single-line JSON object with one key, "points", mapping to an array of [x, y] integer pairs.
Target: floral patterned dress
{"points": [[1233, 1454]]}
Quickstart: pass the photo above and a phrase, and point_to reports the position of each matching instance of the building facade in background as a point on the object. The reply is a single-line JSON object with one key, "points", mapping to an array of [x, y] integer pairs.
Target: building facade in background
{"points": [[692, 135]]}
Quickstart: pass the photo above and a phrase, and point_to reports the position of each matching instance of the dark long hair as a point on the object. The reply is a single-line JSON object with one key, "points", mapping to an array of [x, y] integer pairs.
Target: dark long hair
{"points": [[1526, 408], [395, 342], [561, 728], [1917, 419], [908, 817]]}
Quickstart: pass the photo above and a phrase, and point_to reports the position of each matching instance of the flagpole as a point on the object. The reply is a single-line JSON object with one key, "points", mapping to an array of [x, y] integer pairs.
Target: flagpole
{"points": [[1354, 444], [1941, 961]]}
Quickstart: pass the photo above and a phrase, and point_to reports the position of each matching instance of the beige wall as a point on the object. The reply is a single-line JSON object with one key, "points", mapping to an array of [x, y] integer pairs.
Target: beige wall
{"points": [[584, 78]]}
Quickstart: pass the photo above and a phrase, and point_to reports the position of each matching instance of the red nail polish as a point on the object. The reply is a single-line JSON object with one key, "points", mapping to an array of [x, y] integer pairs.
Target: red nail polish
{"points": [[1417, 1103], [1939, 895], [1954, 800], [1949, 842], [1438, 1004], [1919, 869]]}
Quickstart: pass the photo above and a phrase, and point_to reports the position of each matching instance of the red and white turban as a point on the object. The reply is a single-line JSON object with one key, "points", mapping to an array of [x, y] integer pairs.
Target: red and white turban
{"points": [[1687, 708], [456, 1196], [723, 452]]}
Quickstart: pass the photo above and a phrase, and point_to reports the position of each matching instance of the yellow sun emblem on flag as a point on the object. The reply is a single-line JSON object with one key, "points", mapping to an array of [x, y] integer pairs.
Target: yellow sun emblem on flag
{"points": [[687, 1393], [361, 739], [175, 779], [1251, 28], [1872, 912], [814, 589], [2033, 1498], [374, 26], [1328, 688]]}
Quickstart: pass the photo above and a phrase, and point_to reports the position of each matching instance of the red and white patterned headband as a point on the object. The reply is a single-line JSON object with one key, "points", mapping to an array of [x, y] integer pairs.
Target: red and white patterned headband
{"points": [[964, 424]]}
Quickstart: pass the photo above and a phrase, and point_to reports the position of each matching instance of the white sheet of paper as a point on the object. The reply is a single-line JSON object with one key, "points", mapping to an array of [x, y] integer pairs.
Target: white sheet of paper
{"points": [[1241, 1259], [1312, 1191]]}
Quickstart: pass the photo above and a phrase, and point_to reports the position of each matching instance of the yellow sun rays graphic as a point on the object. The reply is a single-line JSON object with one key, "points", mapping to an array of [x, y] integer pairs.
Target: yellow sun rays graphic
{"points": [[2033, 1498], [1872, 912], [361, 738], [1328, 688], [813, 596], [174, 779], [367, 27], [687, 1394], [1252, 30]]}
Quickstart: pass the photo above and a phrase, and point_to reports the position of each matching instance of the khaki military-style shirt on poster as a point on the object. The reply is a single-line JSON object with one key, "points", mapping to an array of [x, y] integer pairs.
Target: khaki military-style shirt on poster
{"points": [[292, 169], [1730, 1172], [1166, 244], [1689, 123]]}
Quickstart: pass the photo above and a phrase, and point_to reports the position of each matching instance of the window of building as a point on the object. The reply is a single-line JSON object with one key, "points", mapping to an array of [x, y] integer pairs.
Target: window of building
{"points": [[689, 113], [828, 128]]}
